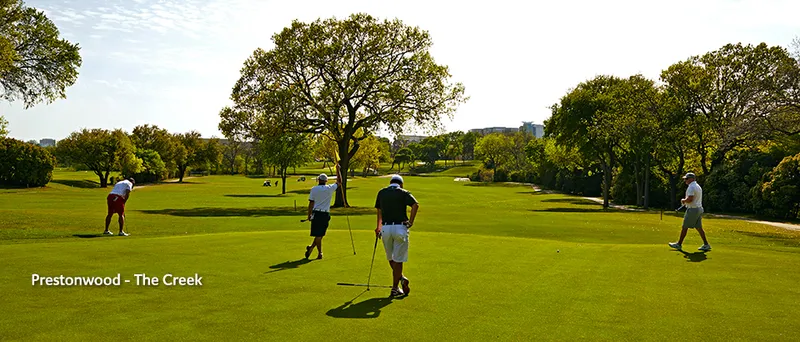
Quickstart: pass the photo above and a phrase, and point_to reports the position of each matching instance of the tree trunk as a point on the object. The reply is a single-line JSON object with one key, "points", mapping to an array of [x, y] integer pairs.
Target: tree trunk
{"points": [[673, 190], [344, 165], [703, 162], [637, 182], [103, 181], [647, 182], [181, 173], [606, 183], [283, 182]]}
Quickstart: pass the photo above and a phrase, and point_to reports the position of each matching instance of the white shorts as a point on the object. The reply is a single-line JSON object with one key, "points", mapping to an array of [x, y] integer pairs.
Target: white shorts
{"points": [[395, 242]]}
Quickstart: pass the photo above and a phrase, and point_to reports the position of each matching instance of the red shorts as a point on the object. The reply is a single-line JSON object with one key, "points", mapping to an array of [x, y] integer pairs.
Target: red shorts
{"points": [[116, 204]]}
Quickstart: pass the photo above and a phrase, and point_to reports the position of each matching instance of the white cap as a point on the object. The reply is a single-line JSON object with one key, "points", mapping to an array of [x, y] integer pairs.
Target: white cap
{"points": [[397, 178], [323, 177]]}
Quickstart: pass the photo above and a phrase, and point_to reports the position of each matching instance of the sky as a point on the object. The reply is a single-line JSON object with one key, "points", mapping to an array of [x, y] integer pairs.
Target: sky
{"points": [[173, 63]]}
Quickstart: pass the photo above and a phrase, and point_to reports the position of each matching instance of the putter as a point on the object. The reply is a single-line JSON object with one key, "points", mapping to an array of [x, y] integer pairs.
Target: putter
{"points": [[373, 261], [367, 285]]}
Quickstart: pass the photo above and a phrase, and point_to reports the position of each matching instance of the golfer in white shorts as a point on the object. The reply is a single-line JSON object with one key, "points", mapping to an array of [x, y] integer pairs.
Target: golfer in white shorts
{"points": [[393, 226]]}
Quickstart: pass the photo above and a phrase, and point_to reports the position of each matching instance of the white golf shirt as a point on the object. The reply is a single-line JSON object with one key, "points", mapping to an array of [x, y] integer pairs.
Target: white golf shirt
{"points": [[695, 190], [122, 187], [321, 195]]}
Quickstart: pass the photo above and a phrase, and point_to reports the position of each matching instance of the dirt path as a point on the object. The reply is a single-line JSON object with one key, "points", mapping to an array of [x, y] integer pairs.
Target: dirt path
{"points": [[769, 223]]}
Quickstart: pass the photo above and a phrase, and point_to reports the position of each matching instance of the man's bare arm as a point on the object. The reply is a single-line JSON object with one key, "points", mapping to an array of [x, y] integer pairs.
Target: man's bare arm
{"points": [[310, 208], [414, 209], [379, 223], [688, 199]]}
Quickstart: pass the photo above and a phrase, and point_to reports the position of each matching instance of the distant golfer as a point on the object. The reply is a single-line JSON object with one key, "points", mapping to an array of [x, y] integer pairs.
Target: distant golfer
{"points": [[116, 204], [693, 218], [319, 210], [393, 226]]}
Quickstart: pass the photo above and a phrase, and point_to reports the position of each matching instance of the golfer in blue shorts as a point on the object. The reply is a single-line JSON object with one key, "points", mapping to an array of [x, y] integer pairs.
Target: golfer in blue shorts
{"points": [[393, 226]]}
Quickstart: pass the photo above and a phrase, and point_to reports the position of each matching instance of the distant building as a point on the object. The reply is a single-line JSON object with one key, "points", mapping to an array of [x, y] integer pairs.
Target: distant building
{"points": [[403, 140], [490, 130], [536, 130], [47, 142]]}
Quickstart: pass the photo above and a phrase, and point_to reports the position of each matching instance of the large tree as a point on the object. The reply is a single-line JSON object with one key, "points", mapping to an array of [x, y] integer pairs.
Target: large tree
{"points": [[494, 149], [101, 151], [189, 147], [742, 94], [468, 141], [35, 64], [151, 137], [635, 106], [338, 76], [581, 119]]}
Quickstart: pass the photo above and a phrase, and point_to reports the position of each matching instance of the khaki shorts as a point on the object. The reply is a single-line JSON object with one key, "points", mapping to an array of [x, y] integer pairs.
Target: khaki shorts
{"points": [[693, 218], [395, 242]]}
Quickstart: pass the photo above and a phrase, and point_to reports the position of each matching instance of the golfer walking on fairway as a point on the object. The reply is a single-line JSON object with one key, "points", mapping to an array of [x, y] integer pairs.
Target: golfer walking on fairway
{"points": [[693, 218], [319, 210], [393, 226], [116, 203]]}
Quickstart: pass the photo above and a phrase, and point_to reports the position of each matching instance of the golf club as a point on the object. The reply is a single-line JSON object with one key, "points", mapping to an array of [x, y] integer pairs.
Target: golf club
{"points": [[367, 285], [679, 209], [373, 261], [351, 232]]}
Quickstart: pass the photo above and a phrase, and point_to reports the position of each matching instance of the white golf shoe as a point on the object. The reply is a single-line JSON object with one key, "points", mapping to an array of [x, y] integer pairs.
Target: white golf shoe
{"points": [[676, 245], [704, 248]]}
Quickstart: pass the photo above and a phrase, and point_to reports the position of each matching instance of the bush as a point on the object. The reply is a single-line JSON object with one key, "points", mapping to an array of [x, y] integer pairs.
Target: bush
{"points": [[153, 168], [728, 187], [501, 175], [779, 194], [23, 164], [521, 177]]}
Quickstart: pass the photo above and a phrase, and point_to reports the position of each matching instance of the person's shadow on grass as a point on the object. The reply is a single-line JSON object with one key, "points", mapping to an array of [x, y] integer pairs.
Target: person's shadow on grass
{"points": [[694, 257], [370, 308], [288, 265]]}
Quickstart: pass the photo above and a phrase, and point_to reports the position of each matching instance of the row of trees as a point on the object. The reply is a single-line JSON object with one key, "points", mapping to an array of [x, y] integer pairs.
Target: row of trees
{"points": [[731, 115], [148, 154], [448, 147]]}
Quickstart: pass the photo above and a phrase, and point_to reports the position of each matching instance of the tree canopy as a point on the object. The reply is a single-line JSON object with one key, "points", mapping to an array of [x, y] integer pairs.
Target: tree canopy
{"points": [[101, 151], [35, 64], [338, 76]]}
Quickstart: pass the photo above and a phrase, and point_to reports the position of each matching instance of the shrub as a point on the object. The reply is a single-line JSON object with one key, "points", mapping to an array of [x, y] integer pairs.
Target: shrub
{"points": [[779, 194], [501, 175], [23, 164]]}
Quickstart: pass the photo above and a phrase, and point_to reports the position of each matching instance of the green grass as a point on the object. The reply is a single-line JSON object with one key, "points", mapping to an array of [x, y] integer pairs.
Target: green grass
{"points": [[483, 265]]}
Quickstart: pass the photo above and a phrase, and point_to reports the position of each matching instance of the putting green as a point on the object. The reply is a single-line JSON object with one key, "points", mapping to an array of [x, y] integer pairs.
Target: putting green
{"points": [[483, 265]]}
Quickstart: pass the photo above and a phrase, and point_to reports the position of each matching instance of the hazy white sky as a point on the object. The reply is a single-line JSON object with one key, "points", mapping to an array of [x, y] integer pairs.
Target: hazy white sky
{"points": [[173, 62]]}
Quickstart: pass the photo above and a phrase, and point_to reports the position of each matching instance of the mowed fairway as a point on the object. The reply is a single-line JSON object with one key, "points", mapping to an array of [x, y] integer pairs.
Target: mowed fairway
{"points": [[483, 264]]}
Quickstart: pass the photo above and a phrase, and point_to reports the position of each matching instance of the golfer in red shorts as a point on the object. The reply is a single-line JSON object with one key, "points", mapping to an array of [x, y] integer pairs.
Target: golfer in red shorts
{"points": [[116, 203]]}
